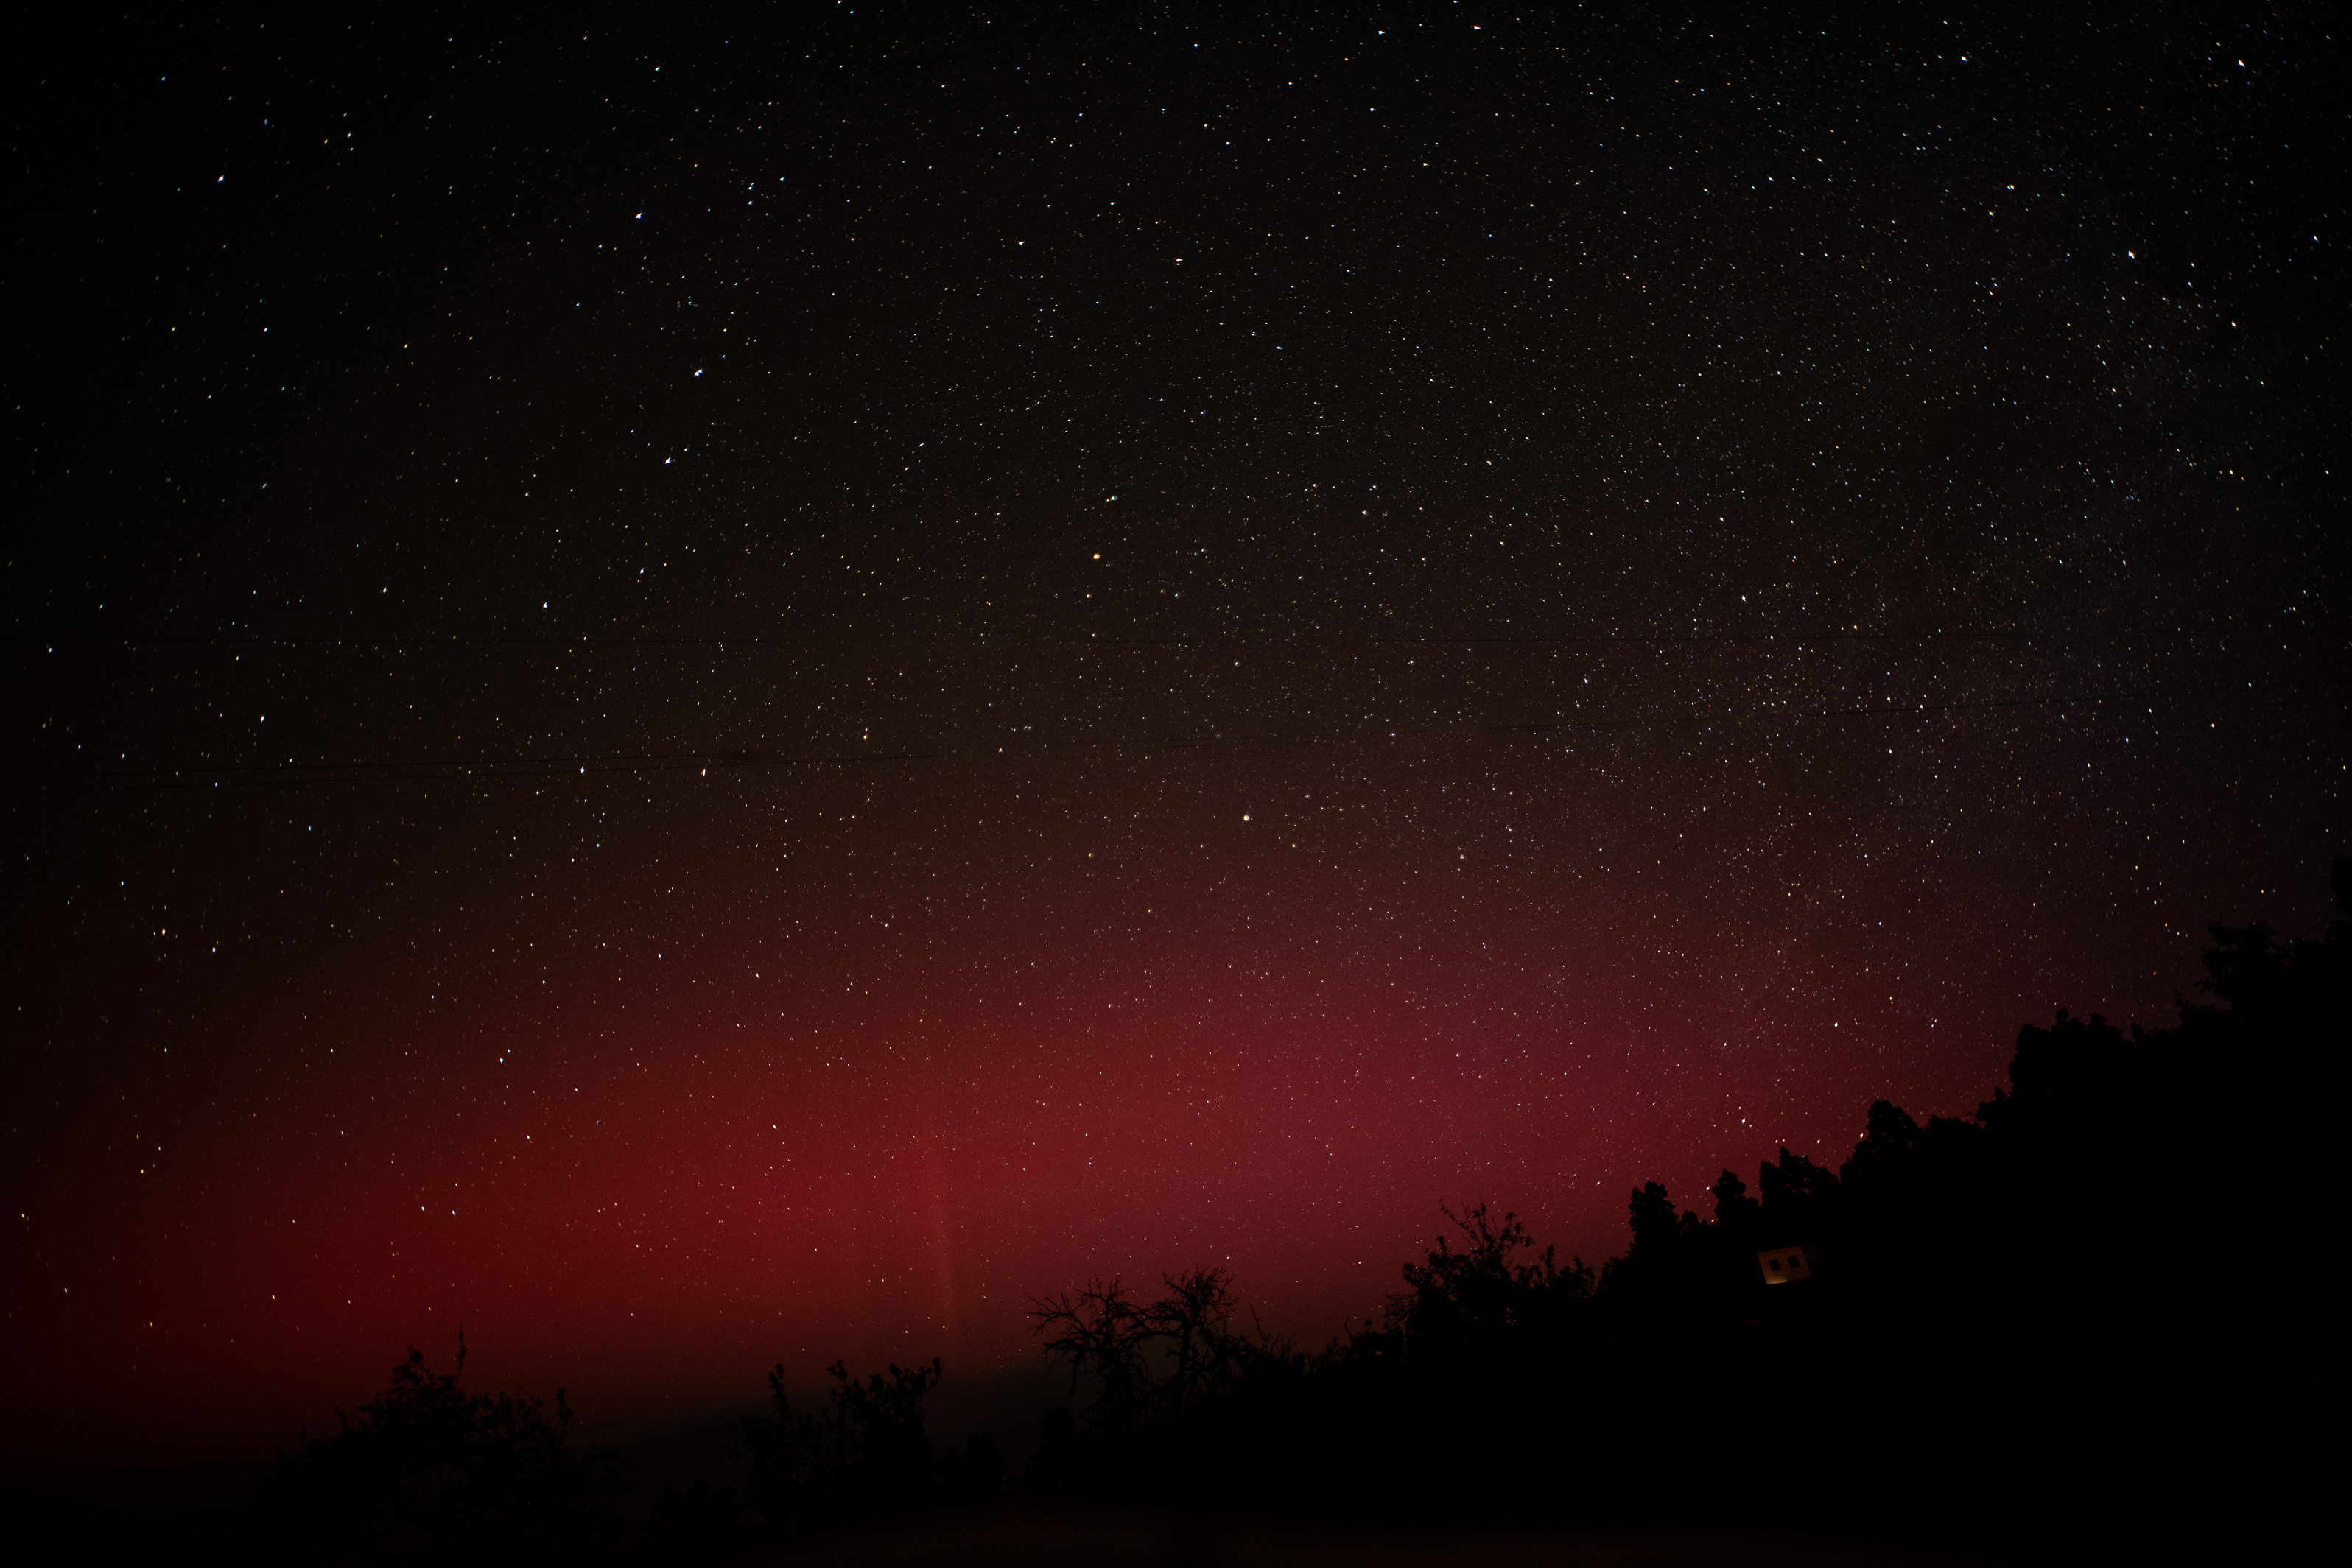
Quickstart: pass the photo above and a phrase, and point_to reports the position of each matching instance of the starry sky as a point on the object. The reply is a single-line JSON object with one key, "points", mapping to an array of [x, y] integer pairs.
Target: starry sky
{"points": [[694, 690]]}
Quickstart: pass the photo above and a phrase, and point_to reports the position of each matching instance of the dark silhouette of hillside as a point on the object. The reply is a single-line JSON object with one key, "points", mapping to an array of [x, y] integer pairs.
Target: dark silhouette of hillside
{"points": [[2061, 1327]]}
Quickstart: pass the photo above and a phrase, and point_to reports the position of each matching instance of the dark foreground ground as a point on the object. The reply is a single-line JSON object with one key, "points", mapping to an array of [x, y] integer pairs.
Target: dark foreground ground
{"points": [[1051, 1537], [189, 1517]]}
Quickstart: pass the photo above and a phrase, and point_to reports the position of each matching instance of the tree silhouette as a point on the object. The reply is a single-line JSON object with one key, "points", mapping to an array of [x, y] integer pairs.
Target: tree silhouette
{"points": [[2016, 1329], [865, 1455], [1193, 1323], [1734, 1211], [1100, 1336], [2001, 1334], [1799, 1200], [1889, 1139], [432, 1472], [1149, 1364], [1493, 1285]]}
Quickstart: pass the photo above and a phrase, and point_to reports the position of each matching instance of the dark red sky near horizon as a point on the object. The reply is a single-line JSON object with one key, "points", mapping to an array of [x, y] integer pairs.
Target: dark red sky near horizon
{"points": [[696, 700]]}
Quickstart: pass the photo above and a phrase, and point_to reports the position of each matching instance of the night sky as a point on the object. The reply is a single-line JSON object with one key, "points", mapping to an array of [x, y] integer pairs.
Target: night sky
{"points": [[696, 693]]}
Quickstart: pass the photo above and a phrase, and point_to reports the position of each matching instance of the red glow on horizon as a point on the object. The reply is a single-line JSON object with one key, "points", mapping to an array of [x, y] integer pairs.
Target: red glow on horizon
{"points": [[652, 1204]]}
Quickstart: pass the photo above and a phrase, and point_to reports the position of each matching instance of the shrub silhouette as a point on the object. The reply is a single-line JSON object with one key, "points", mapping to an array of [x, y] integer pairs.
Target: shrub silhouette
{"points": [[1483, 1292], [430, 1472], [863, 1456]]}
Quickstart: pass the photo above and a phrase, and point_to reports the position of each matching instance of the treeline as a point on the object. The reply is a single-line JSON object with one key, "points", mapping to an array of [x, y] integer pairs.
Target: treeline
{"points": [[2062, 1325]]}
